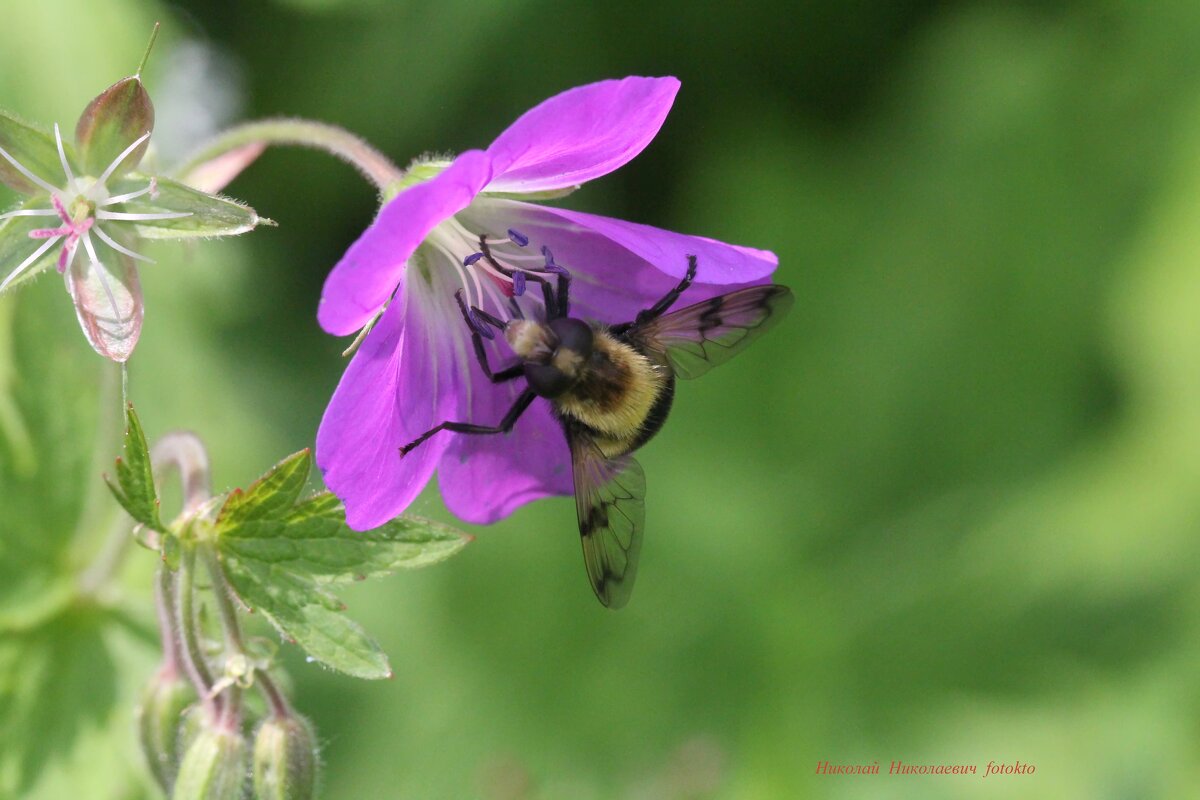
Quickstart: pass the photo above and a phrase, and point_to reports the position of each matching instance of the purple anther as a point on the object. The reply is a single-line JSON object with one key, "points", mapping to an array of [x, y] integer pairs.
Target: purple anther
{"points": [[548, 256], [479, 326], [518, 283], [555, 269], [471, 259], [517, 238]]}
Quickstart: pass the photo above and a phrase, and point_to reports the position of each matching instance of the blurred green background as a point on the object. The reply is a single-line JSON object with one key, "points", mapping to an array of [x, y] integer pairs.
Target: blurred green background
{"points": [[946, 514]]}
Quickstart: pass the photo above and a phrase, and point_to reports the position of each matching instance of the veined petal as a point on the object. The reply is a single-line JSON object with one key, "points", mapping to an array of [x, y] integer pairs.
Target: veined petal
{"points": [[619, 268], [580, 134], [108, 300], [371, 269], [398, 385], [486, 478]]}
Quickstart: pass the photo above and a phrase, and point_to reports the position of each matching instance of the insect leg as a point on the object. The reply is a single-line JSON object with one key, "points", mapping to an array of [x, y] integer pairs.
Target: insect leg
{"points": [[670, 297], [507, 374], [518, 408]]}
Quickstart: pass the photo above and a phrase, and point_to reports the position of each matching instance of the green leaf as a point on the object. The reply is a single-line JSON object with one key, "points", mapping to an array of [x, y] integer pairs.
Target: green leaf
{"points": [[114, 120], [315, 541], [134, 488], [277, 553], [207, 215], [271, 496], [308, 615], [33, 149]]}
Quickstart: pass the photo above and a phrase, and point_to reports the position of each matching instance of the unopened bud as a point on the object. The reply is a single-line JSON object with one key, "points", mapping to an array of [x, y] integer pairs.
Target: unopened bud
{"points": [[214, 767], [285, 759], [159, 721]]}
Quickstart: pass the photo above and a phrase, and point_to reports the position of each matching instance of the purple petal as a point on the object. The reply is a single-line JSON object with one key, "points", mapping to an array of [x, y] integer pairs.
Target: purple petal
{"points": [[486, 478], [366, 276], [619, 268], [393, 391], [580, 134]]}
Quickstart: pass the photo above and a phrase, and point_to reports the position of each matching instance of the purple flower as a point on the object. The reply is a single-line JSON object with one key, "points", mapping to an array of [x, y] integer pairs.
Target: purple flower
{"points": [[416, 367]]}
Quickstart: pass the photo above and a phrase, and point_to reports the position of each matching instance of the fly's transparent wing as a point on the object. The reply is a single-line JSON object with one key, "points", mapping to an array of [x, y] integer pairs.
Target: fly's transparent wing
{"points": [[695, 339], [609, 499]]}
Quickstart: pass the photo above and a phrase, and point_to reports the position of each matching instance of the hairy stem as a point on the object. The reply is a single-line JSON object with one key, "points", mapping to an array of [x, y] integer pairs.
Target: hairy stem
{"points": [[339, 142], [233, 632], [194, 661], [168, 616]]}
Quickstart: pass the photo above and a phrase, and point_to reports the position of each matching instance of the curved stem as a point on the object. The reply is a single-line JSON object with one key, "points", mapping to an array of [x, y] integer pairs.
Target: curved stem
{"points": [[339, 142], [185, 452]]}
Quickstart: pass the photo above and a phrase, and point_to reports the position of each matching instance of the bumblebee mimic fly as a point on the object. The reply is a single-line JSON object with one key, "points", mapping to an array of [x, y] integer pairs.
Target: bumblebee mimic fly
{"points": [[611, 388]]}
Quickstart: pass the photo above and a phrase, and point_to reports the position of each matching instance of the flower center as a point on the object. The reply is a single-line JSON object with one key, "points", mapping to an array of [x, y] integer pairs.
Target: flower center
{"points": [[493, 272]]}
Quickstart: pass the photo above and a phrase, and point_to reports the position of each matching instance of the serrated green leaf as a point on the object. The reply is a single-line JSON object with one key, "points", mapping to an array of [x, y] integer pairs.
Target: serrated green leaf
{"points": [[315, 541], [114, 120], [34, 149], [134, 488], [305, 613], [276, 553], [208, 215], [270, 497]]}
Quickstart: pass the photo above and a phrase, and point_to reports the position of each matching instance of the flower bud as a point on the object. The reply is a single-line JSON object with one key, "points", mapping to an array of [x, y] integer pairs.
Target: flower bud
{"points": [[285, 759], [214, 767], [159, 721]]}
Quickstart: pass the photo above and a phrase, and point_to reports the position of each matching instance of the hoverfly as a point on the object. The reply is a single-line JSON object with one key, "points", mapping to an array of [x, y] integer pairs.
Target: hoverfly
{"points": [[611, 387]]}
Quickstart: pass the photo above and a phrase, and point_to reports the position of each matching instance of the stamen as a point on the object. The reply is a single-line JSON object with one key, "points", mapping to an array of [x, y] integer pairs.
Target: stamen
{"points": [[518, 283], [117, 161], [62, 156], [478, 324], [21, 168], [121, 215], [471, 259], [115, 245], [517, 238], [33, 212], [96, 265], [12, 276], [121, 198]]}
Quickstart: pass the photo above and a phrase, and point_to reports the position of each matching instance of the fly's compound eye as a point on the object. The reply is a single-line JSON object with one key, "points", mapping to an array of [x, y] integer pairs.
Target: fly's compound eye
{"points": [[546, 380]]}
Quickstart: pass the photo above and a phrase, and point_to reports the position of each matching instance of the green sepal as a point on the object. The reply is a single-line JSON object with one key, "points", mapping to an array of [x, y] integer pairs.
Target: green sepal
{"points": [[213, 767], [114, 120], [35, 150], [277, 553], [16, 246], [159, 718], [285, 759], [208, 215], [134, 487]]}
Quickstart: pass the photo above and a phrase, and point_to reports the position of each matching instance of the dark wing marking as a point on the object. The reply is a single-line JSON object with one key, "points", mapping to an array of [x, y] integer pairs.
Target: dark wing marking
{"points": [[695, 339], [609, 499]]}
